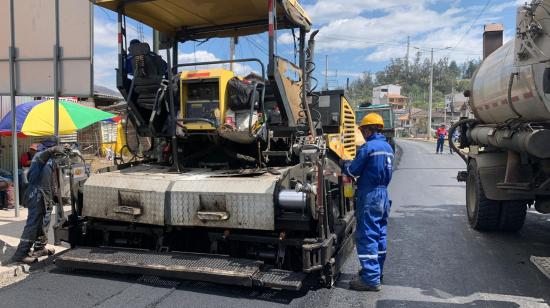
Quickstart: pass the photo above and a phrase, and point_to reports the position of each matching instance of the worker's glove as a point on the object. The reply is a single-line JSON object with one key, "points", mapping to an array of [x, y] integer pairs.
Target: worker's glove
{"points": [[49, 152], [58, 149], [342, 163]]}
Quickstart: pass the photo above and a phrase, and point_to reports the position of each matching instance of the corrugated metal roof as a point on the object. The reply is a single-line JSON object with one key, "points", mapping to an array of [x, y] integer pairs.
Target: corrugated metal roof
{"points": [[171, 16]]}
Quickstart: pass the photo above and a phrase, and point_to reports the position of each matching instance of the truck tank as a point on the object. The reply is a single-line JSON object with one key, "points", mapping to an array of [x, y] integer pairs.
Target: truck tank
{"points": [[508, 152], [501, 90]]}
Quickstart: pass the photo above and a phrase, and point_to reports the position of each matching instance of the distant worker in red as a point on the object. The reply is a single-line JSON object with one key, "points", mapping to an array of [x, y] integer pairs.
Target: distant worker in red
{"points": [[440, 134], [26, 158]]}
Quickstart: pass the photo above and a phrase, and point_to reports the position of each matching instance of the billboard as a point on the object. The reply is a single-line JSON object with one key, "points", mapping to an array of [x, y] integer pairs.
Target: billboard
{"points": [[39, 28]]}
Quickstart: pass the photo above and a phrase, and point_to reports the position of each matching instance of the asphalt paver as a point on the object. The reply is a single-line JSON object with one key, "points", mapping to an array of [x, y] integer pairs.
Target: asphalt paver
{"points": [[434, 260]]}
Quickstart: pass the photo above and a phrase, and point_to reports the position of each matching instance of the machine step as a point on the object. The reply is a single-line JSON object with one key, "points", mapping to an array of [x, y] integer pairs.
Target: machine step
{"points": [[280, 279], [190, 266]]}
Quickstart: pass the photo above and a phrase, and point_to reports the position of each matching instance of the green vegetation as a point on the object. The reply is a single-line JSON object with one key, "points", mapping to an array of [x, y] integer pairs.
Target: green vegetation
{"points": [[416, 84]]}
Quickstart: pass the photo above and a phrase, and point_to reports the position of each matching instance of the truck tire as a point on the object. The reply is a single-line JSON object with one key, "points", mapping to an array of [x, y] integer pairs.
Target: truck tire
{"points": [[512, 215], [483, 213]]}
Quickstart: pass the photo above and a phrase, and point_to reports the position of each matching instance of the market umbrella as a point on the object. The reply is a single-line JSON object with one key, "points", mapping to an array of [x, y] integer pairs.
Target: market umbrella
{"points": [[37, 118]]}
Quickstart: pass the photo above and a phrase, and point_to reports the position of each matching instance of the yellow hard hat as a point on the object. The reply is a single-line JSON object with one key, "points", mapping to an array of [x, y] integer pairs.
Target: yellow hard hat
{"points": [[372, 118]]}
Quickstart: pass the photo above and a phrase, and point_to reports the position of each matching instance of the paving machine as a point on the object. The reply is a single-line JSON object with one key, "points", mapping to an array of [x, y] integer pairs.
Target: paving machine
{"points": [[241, 184]]}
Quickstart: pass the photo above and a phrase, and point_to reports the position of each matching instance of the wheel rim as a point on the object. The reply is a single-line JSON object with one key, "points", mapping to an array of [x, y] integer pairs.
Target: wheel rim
{"points": [[471, 199]]}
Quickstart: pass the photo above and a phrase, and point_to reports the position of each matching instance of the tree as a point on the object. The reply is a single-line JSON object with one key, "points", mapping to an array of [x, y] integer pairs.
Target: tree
{"points": [[360, 90], [462, 85], [447, 74], [469, 67]]}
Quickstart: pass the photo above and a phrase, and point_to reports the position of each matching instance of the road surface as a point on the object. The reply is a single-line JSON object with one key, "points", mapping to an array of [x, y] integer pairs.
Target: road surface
{"points": [[435, 260]]}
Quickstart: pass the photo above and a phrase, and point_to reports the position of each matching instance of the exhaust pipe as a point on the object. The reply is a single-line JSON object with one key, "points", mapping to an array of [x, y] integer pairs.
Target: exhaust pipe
{"points": [[492, 38], [310, 66]]}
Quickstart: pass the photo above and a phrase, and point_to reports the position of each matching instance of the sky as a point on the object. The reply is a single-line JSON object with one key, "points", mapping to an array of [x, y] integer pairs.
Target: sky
{"points": [[355, 36]]}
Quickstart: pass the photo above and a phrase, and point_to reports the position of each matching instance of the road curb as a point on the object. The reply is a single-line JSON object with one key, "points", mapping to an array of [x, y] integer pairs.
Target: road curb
{"points": [[10, 274], [397, 156]]}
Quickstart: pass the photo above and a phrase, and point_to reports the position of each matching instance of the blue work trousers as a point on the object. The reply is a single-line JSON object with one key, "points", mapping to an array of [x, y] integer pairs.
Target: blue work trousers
{"points": [[440, 142], [35, 232], [373, 207]]}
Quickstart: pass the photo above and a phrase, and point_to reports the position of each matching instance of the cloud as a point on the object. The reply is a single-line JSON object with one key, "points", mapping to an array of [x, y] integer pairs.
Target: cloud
{"points": [[497, 8], [344, 73], [105, 34], [391, 29], [105, 48], [380, 28], [324, 11], [285, 38], [206, 56]]}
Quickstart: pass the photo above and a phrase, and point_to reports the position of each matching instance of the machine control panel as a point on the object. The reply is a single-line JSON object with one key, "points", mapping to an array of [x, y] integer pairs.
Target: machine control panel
{"points": [[202, 101]]}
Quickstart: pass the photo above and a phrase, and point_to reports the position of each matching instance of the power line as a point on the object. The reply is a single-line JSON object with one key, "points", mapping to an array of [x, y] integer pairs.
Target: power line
{"points": [[104, 10], [261, 48], [396, 44], [473, 23]]}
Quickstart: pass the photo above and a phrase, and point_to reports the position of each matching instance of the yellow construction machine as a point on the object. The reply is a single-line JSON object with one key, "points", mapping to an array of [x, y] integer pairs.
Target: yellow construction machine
{"points": [[241, 184]]}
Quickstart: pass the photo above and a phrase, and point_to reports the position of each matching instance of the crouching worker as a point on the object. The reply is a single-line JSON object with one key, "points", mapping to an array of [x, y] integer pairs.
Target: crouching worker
{"points": [[7, 196], [39, 199], [373, 168]]}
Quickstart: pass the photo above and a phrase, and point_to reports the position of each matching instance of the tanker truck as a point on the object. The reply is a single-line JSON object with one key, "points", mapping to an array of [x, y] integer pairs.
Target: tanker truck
{"points": [[507, 145]]}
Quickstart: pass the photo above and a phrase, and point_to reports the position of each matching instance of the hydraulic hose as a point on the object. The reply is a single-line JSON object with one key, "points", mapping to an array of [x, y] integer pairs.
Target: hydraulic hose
{"points": [[451, 133]]}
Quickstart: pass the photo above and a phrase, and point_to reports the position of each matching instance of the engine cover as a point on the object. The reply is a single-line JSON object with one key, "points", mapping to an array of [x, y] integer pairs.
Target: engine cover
{"points": [[154, 195]]}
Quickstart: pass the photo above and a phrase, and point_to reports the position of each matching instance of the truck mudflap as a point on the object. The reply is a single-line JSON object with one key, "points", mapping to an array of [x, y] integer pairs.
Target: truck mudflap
{"points": [[178, 265]]}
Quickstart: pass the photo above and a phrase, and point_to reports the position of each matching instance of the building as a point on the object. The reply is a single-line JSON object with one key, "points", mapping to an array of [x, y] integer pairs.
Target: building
{"points": [[96, 138], [398, 101], [387, 94], [381, 92], [417, 121], [456, 105]]}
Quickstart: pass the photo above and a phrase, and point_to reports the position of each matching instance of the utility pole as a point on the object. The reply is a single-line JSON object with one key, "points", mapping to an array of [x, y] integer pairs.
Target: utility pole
{"points": [[326, 73], [452, 106], [410, 114], [232, 43], [156, 39], [445, 113], [430, 102], [409, 105]]}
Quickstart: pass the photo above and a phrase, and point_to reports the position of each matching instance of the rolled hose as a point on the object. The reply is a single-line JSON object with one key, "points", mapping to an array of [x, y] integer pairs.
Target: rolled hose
{"points": [[451, 133]]}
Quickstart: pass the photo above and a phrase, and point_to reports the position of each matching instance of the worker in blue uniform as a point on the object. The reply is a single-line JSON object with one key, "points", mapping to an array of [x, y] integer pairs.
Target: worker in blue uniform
{"points": [[372, 167], [40, 197]]}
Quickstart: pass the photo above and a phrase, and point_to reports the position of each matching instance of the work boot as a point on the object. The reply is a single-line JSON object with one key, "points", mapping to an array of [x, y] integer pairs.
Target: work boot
{"points": [[360, 273], [359, 285], [43, 252], [24, 259]]}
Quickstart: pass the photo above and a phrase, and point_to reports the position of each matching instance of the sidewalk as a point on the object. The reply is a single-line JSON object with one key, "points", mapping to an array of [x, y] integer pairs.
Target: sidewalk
{"points": [[10, 230]]}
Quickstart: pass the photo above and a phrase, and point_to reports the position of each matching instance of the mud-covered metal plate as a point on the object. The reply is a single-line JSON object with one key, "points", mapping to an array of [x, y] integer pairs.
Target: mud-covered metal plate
{"points": [[280, 279], [192, 266], [543, 264], [178, 265]]}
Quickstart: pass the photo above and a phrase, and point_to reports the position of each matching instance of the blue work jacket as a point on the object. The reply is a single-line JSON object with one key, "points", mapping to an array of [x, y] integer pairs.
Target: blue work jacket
{"points": [[372, 165]]}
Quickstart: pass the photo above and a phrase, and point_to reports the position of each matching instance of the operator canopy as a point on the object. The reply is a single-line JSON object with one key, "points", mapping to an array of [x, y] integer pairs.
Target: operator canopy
{"points": [[200, 19]]}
